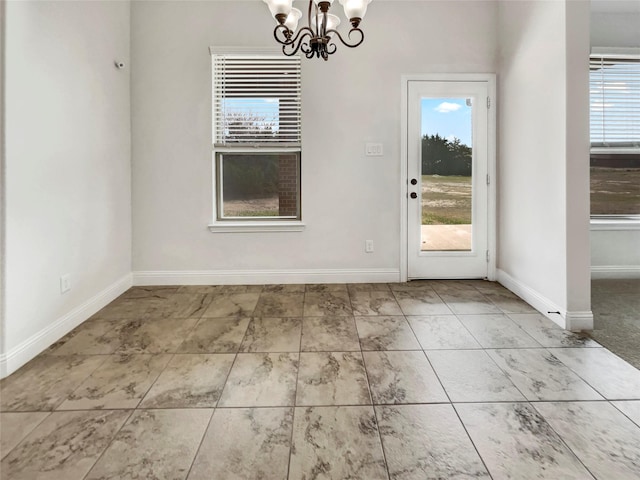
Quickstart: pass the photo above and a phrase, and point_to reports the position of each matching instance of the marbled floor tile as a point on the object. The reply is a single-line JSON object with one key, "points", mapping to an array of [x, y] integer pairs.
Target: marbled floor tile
{"points": [[232, 305], [162, 335], [402, 377], [631, 408], [441, 332], [333, 443], [261, 380], [180, 305], [367, 287], [469, 303], [245, 444], [153, 444], [190, 381], [93, 337], [15, 426], [120, 382], [374, 303], [548, 334], [486, 286], [386, 333], [235, 289], [325, 287], [332, 378], [497, 331], [272, 335], [614, 378], [284, 288], [201, 289], [427, 442], [606, 441], [455, 287], [46, 381], [413, 285], [215, 335], [615, 285], [329, 334], [420, 302], [471, 376], [541, 376], [157, 292], [516, 443], [279, 305], [331, 303], [122, 308], [64, 446], [508, 302]]}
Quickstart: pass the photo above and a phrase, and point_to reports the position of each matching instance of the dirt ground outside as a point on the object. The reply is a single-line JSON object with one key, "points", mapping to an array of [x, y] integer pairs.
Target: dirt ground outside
{"points": [[615, 191], [254, 207], [446, 200]]}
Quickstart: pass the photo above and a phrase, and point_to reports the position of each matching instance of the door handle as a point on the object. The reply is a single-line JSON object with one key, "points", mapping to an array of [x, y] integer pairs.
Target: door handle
{"points": [[413, 195]]}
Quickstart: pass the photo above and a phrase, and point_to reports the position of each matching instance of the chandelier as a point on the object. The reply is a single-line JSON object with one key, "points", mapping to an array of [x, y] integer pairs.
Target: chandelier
{"points": [[316, 39]]}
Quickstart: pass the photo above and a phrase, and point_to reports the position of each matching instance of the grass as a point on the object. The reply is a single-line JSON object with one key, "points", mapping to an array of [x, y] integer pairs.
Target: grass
{"points": [[446, 200]]}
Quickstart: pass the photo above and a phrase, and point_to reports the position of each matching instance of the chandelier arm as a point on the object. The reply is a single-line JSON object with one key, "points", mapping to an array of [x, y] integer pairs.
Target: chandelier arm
{"points": [[344, 42], [309, 23], [290, 41], [330, 49], [296, 44]]}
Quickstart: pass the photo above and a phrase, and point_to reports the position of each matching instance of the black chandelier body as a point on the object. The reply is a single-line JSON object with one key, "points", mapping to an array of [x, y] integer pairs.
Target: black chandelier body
{"points": [[317, 38]]}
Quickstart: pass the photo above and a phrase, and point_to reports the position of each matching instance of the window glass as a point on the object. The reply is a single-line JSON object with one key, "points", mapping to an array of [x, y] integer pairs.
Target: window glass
{"points": [[615, 134]]}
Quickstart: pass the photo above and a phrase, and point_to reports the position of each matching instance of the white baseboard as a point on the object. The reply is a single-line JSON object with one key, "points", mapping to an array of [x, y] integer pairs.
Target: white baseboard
{"points": [[615, 271], [574, 321], [265, 277], [34, 345]]}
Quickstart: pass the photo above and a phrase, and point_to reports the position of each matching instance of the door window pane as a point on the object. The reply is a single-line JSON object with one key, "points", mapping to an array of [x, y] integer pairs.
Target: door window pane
{"points": [[446, 180]]}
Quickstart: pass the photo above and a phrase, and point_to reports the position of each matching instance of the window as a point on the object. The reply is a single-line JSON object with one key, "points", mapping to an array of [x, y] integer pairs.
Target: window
{"points": [[256, 136], [614, 81]]}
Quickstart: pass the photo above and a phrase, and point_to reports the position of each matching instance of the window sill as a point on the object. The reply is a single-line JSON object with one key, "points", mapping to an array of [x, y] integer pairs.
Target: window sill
{"points": [[611, 223], [252, 227]]}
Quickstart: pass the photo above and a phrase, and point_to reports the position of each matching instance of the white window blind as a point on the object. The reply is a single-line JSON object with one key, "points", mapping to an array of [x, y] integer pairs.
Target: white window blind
{"points": [[614, 84], [256, 99]]}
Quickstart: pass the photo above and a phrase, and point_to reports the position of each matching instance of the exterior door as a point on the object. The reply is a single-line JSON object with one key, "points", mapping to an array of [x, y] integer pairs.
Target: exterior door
{"points": [[448, 181]]}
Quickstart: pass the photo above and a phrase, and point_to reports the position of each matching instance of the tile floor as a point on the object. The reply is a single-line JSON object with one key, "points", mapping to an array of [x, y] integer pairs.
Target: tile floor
{"points": [[426, 380], [616, 312]]}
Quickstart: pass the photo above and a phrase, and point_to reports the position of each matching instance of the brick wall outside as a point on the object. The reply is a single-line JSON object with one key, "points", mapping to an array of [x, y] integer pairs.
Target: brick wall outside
{"points": [[288, 185]]}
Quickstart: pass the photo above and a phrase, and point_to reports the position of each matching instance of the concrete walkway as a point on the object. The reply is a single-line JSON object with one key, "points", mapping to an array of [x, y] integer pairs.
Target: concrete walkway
{"points": [[446, 237]]}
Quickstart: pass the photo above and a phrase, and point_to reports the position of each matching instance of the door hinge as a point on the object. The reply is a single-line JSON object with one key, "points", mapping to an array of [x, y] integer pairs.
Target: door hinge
{"points": [[488, 179], [488, 103], [488, 257]]}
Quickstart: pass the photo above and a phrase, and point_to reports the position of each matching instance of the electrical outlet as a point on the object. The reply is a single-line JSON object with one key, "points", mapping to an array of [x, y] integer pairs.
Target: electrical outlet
{"points": [[368, 246], [65, 283]]}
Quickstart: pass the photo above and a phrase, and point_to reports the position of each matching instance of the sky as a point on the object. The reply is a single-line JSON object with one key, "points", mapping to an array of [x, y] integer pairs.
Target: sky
{"points": [[449, 117]]}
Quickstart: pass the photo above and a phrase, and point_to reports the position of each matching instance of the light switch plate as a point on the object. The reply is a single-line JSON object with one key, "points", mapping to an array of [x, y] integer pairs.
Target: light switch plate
{"points": [[374, 149]]}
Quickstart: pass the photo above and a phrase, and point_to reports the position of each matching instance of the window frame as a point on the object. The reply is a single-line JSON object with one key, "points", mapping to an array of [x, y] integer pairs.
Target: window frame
{"points": [[249, 224], [613, 221]]}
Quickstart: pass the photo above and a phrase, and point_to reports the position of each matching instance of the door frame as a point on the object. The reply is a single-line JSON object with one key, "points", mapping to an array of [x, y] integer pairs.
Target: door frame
{"points": [[490, 79]]}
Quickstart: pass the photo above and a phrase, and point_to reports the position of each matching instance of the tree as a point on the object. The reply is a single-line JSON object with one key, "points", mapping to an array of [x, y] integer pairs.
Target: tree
{"points": [[443, 157]]}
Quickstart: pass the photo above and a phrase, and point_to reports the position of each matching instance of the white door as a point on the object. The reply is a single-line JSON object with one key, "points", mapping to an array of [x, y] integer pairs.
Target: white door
{"points": [[448, 181]]}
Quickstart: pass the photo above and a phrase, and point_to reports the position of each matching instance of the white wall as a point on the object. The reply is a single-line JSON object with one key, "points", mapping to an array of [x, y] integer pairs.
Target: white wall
{"points": [[349, 100], [68, 179], [3, 254], [542, 244], [616, 252]]}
